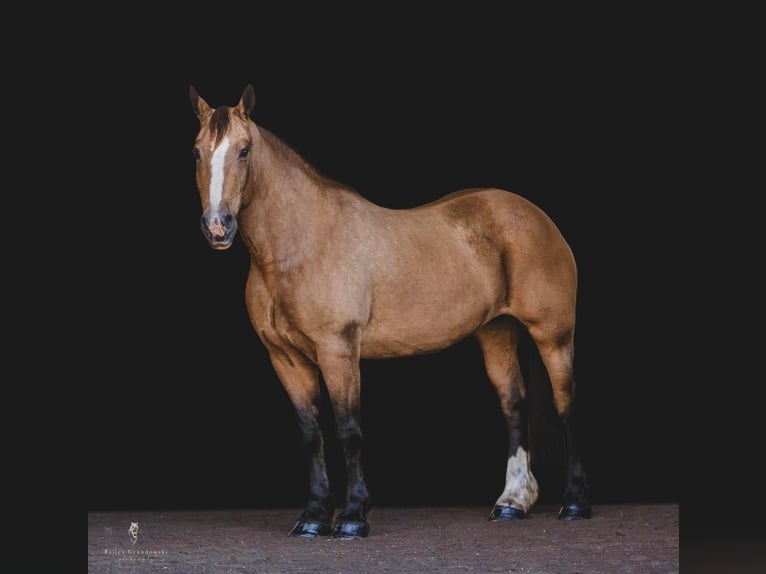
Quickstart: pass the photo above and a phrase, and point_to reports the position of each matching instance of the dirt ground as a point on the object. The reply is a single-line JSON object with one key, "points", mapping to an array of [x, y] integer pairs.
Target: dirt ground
{"points": [[631, 538]]}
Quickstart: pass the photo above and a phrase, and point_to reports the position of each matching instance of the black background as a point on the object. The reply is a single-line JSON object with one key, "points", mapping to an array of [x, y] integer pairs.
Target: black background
{"points": [[184, 410]]}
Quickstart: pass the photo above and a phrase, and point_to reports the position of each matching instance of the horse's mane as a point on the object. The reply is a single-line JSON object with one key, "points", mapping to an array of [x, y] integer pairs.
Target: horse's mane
{"points": [[220, 122], [283, 148], [288, 151]]}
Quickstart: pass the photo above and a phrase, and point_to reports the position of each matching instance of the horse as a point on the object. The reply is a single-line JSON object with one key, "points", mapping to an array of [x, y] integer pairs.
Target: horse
{"points": [[335, 278]]}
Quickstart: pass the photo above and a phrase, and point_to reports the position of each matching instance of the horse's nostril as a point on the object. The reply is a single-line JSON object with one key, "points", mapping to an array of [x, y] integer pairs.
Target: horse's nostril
{"points": [[217, 230], [218, 225]]}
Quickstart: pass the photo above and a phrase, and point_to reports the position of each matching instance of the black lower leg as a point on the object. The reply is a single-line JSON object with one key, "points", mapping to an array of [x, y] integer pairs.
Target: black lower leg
{"points": [[316, 518], [352, 520], [576, 490]]}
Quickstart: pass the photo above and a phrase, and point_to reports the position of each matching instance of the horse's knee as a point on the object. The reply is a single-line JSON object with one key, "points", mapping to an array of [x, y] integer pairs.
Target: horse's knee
{"points": [[311, 432], [350, 435]]}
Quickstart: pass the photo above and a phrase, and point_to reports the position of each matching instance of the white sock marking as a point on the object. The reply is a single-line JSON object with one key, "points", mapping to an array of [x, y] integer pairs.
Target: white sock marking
{"points": [[520, 485]]}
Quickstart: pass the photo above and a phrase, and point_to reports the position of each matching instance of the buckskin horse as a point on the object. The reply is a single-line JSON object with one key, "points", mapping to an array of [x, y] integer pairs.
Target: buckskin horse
{"points": [[334, 278]]}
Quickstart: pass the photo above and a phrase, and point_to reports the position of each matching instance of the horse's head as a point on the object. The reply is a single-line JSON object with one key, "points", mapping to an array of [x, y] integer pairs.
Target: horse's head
{"points": [[222, 151]]}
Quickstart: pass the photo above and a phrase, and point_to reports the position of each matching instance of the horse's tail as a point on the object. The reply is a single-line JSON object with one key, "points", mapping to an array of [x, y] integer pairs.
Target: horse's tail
{"points": [[546, 437]]}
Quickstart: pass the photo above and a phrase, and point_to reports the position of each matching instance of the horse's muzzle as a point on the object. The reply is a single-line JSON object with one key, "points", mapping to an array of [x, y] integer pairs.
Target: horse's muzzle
{"points": [[219, 228]]}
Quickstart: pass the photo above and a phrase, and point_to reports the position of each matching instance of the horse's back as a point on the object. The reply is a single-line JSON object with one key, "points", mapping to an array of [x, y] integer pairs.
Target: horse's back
{"points": [[499, 215]]}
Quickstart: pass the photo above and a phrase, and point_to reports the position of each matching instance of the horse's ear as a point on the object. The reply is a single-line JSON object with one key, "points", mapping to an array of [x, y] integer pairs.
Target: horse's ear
{"points": [[247, 101], [199, 105]]}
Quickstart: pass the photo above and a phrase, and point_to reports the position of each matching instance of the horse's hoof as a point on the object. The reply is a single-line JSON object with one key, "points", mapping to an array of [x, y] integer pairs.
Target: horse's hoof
{"points": [[575, 511], [506, 513], [351, 530], [309, 529]]}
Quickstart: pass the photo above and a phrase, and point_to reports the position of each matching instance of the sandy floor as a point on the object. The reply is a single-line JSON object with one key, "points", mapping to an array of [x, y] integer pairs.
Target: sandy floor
{"points": [[618, 538]]}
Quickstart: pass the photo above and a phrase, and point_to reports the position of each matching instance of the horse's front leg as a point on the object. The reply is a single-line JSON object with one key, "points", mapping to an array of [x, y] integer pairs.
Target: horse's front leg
{"points": [[301, 380], [340, 368]]}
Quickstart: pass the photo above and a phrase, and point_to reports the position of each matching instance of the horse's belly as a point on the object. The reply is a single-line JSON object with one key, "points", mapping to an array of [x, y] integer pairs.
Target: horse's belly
{"points": [[414, 322], [432, 289]]}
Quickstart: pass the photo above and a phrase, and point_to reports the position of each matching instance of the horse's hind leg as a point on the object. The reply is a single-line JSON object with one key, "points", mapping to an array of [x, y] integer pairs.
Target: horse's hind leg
{"points": [[557, 352], [499, 341]]}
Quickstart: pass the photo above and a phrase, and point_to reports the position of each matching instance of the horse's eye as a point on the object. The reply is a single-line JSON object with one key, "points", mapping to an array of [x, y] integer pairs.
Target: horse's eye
{"points": [[244, 152], [195, 153]]}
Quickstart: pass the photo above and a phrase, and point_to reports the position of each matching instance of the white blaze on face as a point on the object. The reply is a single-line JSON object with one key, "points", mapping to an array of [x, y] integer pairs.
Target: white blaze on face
{"points": [[216, 173], [520, 485]]}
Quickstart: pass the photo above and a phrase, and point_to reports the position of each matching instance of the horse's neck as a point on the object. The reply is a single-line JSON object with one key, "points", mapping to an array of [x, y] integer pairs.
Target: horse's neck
{"points": [[282, 219]]}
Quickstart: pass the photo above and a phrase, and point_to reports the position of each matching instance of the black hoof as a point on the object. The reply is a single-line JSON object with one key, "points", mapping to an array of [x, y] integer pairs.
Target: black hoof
{"points": [[310, 529], [506, 513], [575, 511], [350, 530]]}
